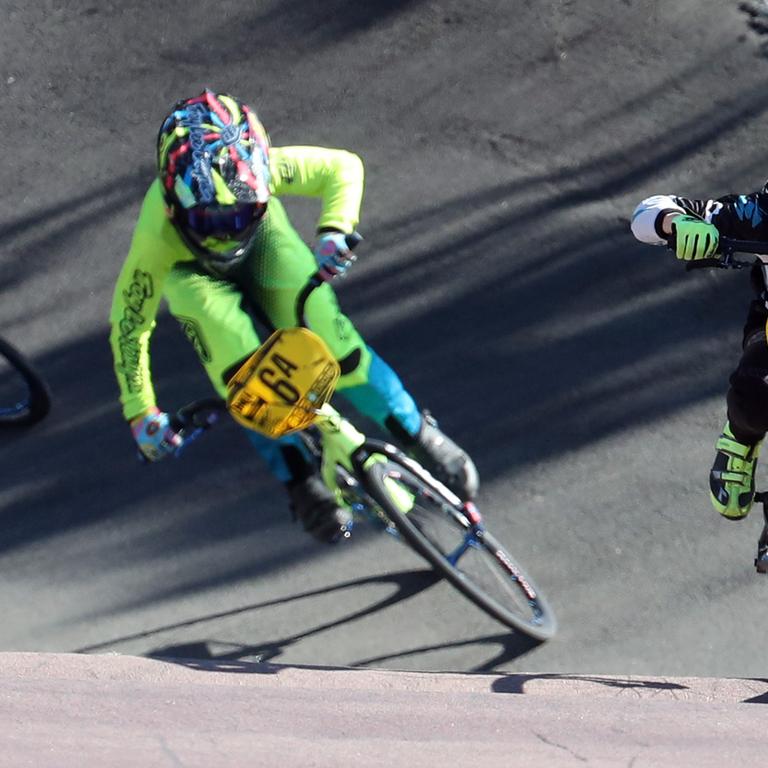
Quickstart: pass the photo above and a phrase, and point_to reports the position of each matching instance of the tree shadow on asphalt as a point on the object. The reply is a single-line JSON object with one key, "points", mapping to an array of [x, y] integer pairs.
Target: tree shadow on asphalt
{"points": [[555, 347], [407, 584], [41, 236], [310, 27], [550, 329]]}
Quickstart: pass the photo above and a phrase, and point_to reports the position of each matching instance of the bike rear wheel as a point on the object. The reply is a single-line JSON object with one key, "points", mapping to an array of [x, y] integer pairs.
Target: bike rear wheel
{"points": [[24, 396], [441, 529]]}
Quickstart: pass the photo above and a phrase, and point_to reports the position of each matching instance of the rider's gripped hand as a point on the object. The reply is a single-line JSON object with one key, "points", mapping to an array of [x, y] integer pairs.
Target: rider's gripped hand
{"points": [[694, 238], [333, 254], [154, 436]]}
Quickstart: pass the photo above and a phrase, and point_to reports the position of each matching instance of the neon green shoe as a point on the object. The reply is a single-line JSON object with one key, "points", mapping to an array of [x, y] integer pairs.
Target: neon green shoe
{"points": [[732, 479]]}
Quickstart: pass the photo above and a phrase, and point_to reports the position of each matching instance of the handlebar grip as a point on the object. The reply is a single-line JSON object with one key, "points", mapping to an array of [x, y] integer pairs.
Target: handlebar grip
{"points": [[318, 278], [197, 415], [353, 239], [724, 258], [698, 263]]}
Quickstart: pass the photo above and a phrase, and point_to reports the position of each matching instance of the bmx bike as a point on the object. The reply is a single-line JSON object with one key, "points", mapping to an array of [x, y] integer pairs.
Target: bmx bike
{"points": [[25, 397], [286, 386]]}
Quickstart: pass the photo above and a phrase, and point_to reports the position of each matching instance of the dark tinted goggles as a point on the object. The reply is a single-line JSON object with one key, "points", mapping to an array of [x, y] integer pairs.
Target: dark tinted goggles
{"points": [[224, 221]]}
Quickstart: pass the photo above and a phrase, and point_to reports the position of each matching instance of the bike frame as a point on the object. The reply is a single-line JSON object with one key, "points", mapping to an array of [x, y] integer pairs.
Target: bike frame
{"points": [[342, 444], [340, 441]]}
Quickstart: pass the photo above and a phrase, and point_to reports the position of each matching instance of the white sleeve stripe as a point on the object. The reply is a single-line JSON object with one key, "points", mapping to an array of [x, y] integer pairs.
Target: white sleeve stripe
{"points": [[644, 217]]}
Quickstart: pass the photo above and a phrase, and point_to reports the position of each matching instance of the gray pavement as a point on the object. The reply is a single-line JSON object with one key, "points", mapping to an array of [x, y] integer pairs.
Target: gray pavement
{"points": [[506, 145]]}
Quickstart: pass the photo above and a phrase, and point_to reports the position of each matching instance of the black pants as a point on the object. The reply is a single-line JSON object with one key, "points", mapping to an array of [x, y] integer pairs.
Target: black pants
{"points": [[748, 391]]}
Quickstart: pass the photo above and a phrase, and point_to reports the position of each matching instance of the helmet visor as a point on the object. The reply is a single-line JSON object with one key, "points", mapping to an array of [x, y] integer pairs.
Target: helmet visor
{"points": [[224, 222]]}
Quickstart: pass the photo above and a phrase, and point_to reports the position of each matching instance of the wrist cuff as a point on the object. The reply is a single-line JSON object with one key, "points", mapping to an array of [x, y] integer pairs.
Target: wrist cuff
{"points": [[660, 219]]}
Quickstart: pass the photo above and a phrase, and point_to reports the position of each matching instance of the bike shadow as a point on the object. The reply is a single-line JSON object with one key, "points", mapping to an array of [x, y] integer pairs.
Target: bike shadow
{"points": [[512, 645], [213, 655], [407, 584], [516, 683], [760, 698]]}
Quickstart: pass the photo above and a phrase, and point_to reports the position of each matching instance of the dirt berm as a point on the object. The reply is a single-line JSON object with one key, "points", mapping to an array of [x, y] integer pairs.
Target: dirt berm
{"points": [[78, 711]]}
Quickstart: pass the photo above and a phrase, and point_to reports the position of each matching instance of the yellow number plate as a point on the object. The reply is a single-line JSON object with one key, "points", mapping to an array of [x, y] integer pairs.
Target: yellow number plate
{"points": [[278, 389]]}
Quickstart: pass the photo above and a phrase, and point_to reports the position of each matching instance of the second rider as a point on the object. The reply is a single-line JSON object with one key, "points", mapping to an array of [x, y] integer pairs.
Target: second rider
{"points": [[697, 226]]}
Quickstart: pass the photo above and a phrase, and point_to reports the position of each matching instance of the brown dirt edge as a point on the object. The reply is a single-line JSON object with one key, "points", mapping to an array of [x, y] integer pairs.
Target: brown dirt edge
{"points": [[111, 710]]}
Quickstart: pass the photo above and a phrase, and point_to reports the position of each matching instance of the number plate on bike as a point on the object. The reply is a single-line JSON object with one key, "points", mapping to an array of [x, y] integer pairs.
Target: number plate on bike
{"points": [[280, 387]]}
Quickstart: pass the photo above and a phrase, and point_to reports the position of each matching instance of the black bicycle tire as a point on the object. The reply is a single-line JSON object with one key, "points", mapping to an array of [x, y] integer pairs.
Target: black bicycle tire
{"points": [[543, 628], [38, 402]]}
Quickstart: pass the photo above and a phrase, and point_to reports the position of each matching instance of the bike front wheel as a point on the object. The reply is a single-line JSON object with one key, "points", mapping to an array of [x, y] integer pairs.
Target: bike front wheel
{"points": [[24, 396], [450, 536]]}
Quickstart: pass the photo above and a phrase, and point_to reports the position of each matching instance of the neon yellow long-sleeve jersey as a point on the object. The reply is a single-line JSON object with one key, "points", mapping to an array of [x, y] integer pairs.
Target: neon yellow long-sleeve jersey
{"points": [[335, 176]]}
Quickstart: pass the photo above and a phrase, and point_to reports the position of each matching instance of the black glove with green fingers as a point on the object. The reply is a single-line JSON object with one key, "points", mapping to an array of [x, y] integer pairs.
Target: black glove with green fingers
{"points": [[694, 238]]}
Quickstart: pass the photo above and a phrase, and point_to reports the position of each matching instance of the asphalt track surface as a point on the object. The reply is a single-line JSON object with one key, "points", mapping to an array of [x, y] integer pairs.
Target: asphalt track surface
{"points": [[505, 145]]}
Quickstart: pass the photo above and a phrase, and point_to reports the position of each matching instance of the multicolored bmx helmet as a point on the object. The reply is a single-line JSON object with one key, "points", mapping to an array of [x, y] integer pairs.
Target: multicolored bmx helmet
{"points": [[213, 164]]}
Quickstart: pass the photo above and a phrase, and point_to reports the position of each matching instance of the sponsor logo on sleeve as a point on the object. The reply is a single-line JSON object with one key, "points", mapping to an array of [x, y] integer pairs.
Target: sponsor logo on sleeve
{"points": [[139, 290], [194, 333]]}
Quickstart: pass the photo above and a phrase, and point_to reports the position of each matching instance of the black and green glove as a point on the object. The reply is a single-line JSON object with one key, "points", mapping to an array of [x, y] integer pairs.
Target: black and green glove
{"points": [[694, 238]]}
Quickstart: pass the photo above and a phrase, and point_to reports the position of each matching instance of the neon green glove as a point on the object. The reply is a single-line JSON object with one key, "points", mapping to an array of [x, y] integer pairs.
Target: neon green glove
{"points": [[694, 238]]}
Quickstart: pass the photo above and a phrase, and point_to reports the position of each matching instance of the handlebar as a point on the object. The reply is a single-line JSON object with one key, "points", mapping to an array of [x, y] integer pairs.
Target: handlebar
{"points": [[191, 421], [198, 415], [727, 248]]}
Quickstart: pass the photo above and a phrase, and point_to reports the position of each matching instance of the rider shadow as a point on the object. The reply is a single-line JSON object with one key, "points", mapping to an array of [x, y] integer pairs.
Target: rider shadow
{"points": [[201, 655]]}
